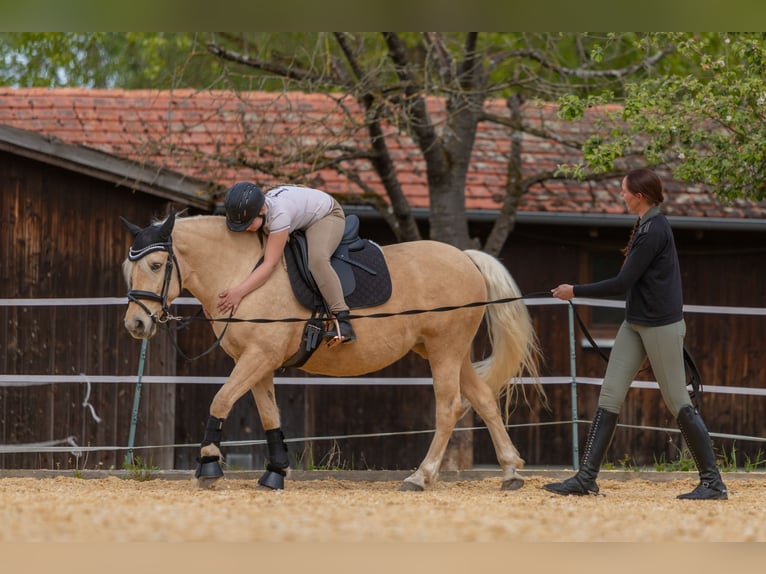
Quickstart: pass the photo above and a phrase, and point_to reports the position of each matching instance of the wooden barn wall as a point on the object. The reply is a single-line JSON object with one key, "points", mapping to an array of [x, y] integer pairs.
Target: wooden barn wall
{"points": [[61, 237]]}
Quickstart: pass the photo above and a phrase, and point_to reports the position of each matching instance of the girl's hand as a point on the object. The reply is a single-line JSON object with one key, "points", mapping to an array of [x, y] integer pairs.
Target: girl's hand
{"points": [[564, 291], [229, 299]]}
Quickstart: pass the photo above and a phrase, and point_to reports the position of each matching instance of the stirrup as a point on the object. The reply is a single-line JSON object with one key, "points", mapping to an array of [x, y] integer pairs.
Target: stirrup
{"points": [[337, 335]]}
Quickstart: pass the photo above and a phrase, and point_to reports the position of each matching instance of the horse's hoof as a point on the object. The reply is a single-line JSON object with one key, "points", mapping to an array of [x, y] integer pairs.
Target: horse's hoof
{"points": [[408, 486], [514, 483], [206, 483], [272, 481], [208, 468]]}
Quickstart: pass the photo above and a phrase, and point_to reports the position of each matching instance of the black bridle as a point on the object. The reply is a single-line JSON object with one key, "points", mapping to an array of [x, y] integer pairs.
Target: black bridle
{"points": [[137, 296]]}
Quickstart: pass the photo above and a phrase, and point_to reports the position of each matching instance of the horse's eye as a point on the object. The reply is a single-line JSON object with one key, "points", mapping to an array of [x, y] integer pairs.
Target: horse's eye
{"points": [[155, 266]]}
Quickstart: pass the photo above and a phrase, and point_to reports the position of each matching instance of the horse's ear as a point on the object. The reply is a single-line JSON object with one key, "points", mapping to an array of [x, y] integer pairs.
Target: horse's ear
{"points": [[134, 229], [167, 227]]}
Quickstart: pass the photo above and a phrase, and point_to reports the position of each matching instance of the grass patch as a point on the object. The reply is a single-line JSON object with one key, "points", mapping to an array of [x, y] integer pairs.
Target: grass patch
{"points": [[139, 469], [726, 461], [331, 460]]}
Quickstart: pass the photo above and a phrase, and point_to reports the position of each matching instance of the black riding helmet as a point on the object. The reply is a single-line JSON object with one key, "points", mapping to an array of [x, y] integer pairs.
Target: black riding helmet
{"points": [[243, 204]]}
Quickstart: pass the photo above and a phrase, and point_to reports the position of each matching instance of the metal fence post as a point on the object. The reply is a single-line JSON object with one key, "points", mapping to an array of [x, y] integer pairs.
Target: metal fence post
{"points": [[136, 401], [573, 388]]}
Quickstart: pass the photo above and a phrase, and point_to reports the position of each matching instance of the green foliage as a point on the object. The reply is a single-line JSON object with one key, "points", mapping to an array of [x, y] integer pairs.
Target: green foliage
{"points": [[727, 461], [707, 122], [626, 463], [331, 460], [755, 464], [684, 463], [129, 60], [139, 469]]}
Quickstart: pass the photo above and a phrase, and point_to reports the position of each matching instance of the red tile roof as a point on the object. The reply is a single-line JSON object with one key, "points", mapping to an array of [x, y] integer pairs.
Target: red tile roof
{"points": [[197, 134]]}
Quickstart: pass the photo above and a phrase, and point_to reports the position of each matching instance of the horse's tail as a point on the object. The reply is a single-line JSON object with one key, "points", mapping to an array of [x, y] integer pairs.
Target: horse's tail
{"points": [[515, 348]]}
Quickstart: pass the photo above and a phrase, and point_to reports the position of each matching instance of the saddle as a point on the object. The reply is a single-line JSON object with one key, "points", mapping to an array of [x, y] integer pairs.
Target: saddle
{"points": [[363, 273]]}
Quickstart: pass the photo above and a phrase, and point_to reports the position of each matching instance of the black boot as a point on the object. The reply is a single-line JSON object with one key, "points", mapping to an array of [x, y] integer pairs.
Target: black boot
{"points": [[346, 330], [711, 487], [599, 437]]}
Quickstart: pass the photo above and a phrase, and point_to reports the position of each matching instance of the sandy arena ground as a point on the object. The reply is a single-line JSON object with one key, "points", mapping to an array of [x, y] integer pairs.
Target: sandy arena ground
{"points": [[116, 509]]}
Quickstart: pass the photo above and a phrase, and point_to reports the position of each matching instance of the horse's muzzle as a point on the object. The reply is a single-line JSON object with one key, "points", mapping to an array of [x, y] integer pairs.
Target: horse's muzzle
{"points": [[140, 327]]}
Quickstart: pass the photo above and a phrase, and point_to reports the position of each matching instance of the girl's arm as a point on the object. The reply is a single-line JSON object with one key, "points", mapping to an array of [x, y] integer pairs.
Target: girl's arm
{"points": [[232, 297]]}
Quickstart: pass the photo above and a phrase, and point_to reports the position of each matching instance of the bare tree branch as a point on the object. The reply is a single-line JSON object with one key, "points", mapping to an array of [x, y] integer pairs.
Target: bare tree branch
{"points": [[289, 72], [405, 227], [434, 41], [414, 103], [582, 73]]}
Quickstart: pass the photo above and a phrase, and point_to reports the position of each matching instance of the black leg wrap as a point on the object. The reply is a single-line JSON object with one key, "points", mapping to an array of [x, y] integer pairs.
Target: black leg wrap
{"points": [[208, 467], [213, 431], [272, 468], [275, 441], [276, 469]]}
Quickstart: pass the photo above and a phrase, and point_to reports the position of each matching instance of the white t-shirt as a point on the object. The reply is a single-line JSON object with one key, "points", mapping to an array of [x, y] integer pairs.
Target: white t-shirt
{"points": [[294, 207]]}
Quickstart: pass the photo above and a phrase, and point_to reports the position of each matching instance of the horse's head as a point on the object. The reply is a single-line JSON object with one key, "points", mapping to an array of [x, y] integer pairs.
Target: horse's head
{"points": [[152, 284]]}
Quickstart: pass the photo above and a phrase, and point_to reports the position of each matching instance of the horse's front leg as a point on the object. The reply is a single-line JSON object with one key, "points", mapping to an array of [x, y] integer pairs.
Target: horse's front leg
{"points": [[278, 464], [245, 375]]}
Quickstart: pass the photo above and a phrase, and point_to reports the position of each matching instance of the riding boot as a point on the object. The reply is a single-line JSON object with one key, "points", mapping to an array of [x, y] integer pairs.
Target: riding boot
{"points": [[346, 330], [599, 437], [711, 486]]}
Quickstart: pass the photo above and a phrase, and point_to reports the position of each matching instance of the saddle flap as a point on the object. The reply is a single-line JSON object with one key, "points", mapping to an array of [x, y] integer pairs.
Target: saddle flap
{"points": [[351, 230], [364, 276]]}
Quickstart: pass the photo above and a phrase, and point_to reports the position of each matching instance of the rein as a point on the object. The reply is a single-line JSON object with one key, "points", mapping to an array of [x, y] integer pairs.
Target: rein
{"points": [[374, 315], [166, 316]]}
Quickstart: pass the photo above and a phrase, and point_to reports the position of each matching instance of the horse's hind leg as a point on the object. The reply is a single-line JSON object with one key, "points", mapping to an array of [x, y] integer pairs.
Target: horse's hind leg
{"points": [[485, 403], [448, 410]]}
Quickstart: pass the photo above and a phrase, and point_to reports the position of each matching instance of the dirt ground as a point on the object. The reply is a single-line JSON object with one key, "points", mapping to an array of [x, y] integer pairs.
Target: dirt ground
{"points": [[116, 510]]}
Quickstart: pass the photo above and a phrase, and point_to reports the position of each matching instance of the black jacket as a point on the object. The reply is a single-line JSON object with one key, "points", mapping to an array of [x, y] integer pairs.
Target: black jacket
{"points": [[650, 276]]}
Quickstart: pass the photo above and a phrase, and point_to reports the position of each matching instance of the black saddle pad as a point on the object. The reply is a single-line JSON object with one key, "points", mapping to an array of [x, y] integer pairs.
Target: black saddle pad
{"points": [[362, 271]]}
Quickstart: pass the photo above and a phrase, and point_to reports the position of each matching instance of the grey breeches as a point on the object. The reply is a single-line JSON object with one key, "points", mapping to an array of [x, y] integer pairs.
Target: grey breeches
{"points": [[664, 347], [323, 238]]}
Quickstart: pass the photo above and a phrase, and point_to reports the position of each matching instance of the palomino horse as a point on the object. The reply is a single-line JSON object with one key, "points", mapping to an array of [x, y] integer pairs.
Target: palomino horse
{"points": [[199, 253]]}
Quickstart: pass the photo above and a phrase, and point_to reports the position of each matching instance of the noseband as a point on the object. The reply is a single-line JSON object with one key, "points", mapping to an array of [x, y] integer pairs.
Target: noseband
{"points": [[136, 295]]}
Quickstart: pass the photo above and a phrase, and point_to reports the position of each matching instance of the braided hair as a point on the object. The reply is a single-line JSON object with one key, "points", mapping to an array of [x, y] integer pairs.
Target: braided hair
{"points": [[648, 184]]}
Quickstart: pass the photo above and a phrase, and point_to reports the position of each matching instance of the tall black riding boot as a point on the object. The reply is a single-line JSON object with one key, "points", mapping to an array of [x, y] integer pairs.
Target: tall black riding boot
{"points": [[711, 486], [346, 330], [599, 437]]}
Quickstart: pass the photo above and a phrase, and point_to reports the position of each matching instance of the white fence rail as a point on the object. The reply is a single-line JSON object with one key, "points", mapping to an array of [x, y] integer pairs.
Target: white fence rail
{"points": [[26, 380]]}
